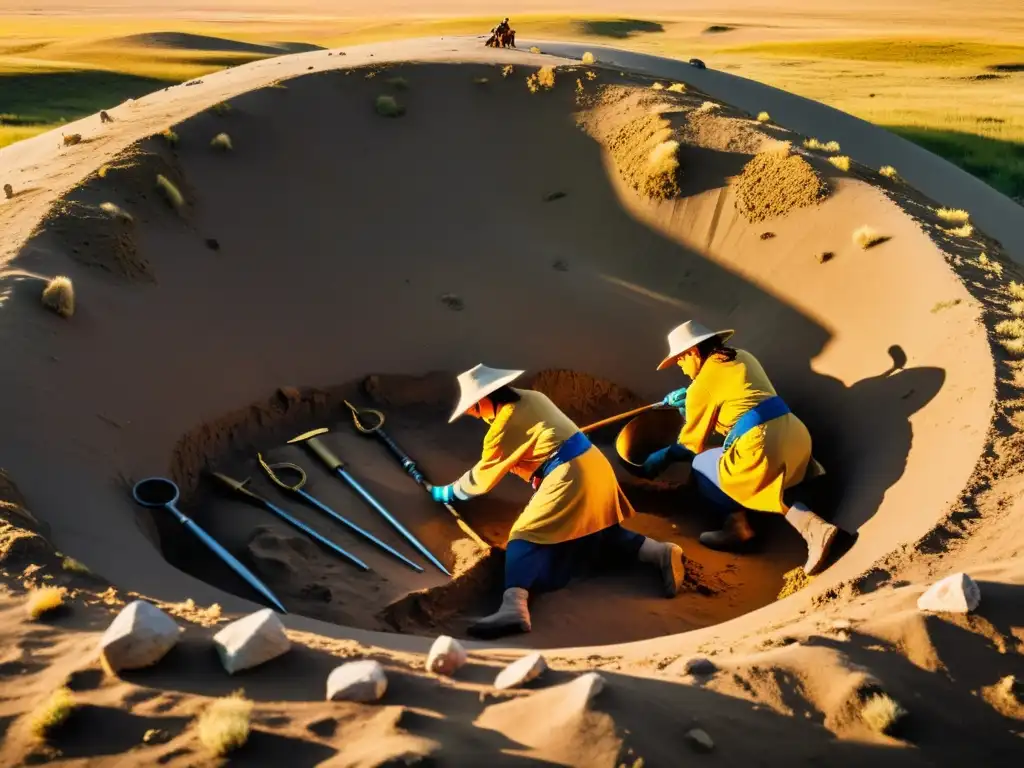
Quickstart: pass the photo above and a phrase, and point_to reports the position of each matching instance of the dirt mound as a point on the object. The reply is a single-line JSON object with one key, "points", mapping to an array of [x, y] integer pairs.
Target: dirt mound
{"points": [[646, 157], [776, 183], [97, 238]]}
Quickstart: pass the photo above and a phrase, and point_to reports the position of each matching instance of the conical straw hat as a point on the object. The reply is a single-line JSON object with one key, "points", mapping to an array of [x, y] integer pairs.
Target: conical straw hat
{"points": [[688, 335], [477, 383]]}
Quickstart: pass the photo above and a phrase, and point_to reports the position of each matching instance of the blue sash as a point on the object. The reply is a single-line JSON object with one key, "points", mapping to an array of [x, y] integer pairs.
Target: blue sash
{"points": [[575, 446], [764, 411]]}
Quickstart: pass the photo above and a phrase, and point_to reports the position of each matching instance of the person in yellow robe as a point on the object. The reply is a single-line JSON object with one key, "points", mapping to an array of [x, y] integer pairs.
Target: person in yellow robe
{"points": [[766, 451], [572, 522]]}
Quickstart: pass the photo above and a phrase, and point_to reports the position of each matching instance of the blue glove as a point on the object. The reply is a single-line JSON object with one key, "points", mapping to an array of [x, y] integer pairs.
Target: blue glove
{"points": [[443, 494], [676, 398], [658, 461]]}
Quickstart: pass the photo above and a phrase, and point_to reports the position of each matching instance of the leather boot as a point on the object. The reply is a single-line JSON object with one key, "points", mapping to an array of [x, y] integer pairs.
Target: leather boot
{"points": [[669, 559], [817, 532], [734, 534], [513, 617]]}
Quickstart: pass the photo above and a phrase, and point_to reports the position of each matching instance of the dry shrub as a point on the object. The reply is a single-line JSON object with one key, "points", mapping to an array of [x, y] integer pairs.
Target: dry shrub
{"points": [[399, 83], [1013, 346], [829, 146], [882, 714], [170, 137], [542, 78], [534, 49], [677, 88], [889, 172], [170, 192], [386, 106], [1017, 308], [70, 139], [59, 295], [776, 182], [657, 86], [507, 70], [52, 713], [44, 600], [965, 230], [1015, 289], [591, 75], [221, 141], [224, 725], [992, 267], [588, 58], [866, 237], [116, 211], [708, 107], [764, 117], [647, 157], [1014, 327], [842, 162], [71, 565], [953, 215], [664, 162], [481, 80]]}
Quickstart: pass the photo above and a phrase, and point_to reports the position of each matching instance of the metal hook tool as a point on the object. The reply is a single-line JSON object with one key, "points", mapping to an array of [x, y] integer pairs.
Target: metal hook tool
{"points": [[273, 472], [239, 486]]}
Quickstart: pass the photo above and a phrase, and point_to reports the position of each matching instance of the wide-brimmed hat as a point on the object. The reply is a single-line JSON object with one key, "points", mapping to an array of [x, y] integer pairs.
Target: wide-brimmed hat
{"points": [[689, 335], [477, 383]]}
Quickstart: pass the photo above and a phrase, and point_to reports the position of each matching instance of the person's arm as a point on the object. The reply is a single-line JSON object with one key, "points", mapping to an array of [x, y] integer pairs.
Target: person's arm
{"points": [[701, 414], [488, 471]]}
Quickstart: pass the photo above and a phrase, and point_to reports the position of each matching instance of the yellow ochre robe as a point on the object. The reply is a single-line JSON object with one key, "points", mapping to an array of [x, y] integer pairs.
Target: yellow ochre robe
{"points": [[765, 461], [578, 498]]}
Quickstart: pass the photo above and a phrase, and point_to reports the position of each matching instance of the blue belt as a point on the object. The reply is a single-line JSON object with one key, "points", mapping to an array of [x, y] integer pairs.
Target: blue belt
{"points": [[575, 446], [764, 411]]}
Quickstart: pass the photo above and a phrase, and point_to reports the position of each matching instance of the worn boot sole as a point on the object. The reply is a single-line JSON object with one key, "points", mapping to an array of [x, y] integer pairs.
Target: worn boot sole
{"points": [[811, 568], [674, 571], [490, 631]]}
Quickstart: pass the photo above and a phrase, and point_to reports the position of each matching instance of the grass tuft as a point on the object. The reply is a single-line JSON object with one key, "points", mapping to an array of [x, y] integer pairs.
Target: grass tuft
{"points": [[1015, 289], [889, 172], [534, 49], [59, 295], [866, 237], [223, 108], [591, 74], [657, 86], [882, 713], [953, 215], [588, 58], [44, 600], [963, 231], [1014, 327], [677, 88], [842, 162], [399, 83], [507, 70], [1017, 308], [115, 211], [542, 78], [52, 713], [386, 106], [171, 193], [171, 137], [71, 565], [224, 725], [707, 108], [828, 146], [221, 141], [103, 171], [764, 117]]}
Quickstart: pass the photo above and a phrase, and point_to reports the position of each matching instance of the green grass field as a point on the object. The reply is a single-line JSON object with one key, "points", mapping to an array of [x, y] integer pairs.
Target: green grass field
{"points": [[961, 99]]}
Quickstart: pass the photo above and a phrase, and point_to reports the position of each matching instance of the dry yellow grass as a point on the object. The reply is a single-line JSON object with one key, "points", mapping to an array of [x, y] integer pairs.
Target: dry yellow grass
{"points": [[828, 146], [677, 88], [842, 162], [664, 159], [71, 565], [223, 108], [507, 70], [708, 107], [44, 600], [657, 86], [170, 137], [992, 267], [171, 193], [1014, 327], [764, 117], [889, 172], [534, 49], [588, 58], [542, 78], [224, 725], [1017, 308], [59, 295], [881, 713], [1015, 289], [963, 231], [52, 713], [116, 211], [221, 141], [866, 237], [1013, 346], [953, 215]]}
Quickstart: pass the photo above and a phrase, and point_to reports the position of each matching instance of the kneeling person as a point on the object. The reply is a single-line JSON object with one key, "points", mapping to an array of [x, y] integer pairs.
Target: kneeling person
{"points": [[573, 518]]}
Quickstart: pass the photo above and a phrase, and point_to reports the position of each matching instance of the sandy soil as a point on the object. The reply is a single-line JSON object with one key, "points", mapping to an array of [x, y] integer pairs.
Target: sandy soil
{"points": [[339, 254]]}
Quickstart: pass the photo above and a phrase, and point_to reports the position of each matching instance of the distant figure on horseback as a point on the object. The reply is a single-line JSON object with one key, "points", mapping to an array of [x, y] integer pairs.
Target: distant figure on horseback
{"points": [[502, 36]]}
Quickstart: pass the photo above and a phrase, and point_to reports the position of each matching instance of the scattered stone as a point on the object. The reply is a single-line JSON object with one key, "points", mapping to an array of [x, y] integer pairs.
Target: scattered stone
{"points": [[700, 666], [317, 592], [446, 656], [825, 256], [105, 118], [699, 740], [139, 636], [251, 641], [361, 681], [521, 671], [552, 196], [453, 302], [213, 243], [155, 736], [560, 266], [958, 593], [8, 191], [767, 235]]}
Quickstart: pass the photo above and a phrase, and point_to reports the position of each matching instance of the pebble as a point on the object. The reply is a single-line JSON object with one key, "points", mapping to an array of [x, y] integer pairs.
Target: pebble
{"points": [[446, 656], [521, 671], [699, 740], [139, 636], [958, 593], [252, 640], [362, 681]]}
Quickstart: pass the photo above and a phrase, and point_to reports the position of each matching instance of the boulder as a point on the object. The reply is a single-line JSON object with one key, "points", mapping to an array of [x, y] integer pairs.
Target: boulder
{"points": [[139, 636], [521, 671], [357, 681], [958, 593], [251, 641], [446, 656], [700, 666]]}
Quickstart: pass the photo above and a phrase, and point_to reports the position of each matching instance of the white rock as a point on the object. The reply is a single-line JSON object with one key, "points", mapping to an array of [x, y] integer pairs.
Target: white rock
{"points": [[958, 593], [584, 688], [357, 681], [251, 641], [446, 656], [139, 636], [700, 740], [521, 671]]}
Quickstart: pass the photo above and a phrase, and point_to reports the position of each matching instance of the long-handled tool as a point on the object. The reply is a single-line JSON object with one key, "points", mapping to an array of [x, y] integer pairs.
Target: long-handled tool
{"points": [[312, 441], [274, 473], [407, 463], [239, 486], [161, 492], [622, 416]]}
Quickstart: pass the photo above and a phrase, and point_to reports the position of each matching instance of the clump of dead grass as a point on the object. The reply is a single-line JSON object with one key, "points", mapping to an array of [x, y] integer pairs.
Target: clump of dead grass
{"points": [[70, 139], [707, 108], [842, 162], [170, 192], [953, 215], [542, 78], [170, 136], [677, 88], [1014, 327], [828, 146], [657, 86], [221, 141], [775, 182], [591, 74], [588, 58], [222, 108], [387, 106], [992, 267], [534, 49], [647, 156], [44, 600], [103, 171], [1015, 289], [115, 211], [52, 713], [882, 713], [224, 725], [965, 230], [507, 70], [867, 237], [71, 565], [889, 172], [1017, 308], [59, 296], [399, 83], [764, 117]]}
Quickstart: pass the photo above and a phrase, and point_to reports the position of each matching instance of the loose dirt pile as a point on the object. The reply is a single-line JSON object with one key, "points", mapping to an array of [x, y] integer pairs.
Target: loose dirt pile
{"points": [[646, 156], [776, 183]]}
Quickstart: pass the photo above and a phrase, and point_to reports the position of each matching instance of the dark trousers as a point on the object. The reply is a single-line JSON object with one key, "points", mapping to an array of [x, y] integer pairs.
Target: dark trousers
{"points": [[547, 567]]}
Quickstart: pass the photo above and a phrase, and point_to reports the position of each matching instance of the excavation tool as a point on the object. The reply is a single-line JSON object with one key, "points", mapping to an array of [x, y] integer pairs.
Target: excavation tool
{"points": [[312, 441], [274, 472], [407, 463], [622, 416], [239, 487], [161, 492]]}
